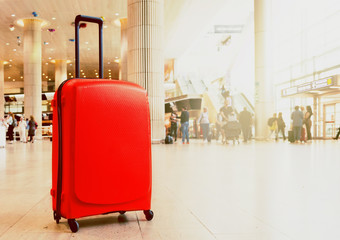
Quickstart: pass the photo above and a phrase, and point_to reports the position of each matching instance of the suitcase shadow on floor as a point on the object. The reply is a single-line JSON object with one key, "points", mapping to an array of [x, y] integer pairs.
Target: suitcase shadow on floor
{"points": [[103, 220]]}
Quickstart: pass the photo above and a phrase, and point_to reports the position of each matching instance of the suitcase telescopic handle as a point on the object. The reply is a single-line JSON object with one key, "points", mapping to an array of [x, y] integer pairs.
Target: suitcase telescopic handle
{"points": [[99, 21]]}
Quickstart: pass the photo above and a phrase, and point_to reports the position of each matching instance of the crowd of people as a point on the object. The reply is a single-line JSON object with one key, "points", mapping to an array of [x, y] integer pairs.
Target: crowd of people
{"points": [[300, 126], [26, 128]]}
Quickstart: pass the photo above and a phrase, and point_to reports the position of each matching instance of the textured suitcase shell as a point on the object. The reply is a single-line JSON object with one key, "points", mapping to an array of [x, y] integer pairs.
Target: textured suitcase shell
{"points": [[106, 148]]}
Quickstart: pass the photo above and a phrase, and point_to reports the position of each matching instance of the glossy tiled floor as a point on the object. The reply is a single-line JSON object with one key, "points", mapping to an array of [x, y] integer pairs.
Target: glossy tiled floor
{"points": [[254, 191]]}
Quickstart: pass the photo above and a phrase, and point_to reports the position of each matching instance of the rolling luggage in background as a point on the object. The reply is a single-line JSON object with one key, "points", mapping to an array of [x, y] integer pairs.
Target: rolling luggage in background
{"points": [[291, 136], [101, 154]]}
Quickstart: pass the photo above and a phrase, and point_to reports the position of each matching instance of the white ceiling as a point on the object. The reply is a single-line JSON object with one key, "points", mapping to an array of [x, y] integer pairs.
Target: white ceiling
{"points": [[184, 21]]}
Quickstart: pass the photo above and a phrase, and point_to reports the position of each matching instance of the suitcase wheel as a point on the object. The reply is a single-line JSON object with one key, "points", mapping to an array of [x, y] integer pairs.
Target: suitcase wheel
{"points": [[122, 212], [56, 217], [74, 226], [148, 214]]}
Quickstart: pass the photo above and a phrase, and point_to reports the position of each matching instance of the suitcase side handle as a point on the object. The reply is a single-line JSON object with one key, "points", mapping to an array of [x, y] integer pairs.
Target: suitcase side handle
{"points": [[99, 21]]}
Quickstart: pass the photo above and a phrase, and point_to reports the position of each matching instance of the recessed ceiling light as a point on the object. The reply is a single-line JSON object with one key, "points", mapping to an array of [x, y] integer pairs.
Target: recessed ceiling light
{"points": [[7, 43], [53, 18], [109, 70], [9, 77], [81, 70], [116, 57], [46, 76], [46, 63], [69, 73], [14, 50], [13, 80], [50, 58], [86, 42], [89, 49], [108, 62], [105, 26], [49, 79], [13, 15], [70, 64], [10, 60], [117, 14], [10, 65], [43, 74], [21, 77]]}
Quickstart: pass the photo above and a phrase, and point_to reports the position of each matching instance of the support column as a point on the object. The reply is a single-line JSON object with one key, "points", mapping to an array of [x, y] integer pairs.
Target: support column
{"points": [[60, 72], [315, 117], [264, 90], [2, 89], [145, 57], [32, 70], [123, 49]]}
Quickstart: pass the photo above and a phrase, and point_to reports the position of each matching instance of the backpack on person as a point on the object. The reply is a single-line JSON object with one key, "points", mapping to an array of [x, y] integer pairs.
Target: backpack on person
{"points": [[270, 121]]}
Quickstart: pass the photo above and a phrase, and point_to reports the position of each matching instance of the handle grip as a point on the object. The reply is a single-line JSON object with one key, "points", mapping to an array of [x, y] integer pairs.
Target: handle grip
{"points": [[99, 21]]}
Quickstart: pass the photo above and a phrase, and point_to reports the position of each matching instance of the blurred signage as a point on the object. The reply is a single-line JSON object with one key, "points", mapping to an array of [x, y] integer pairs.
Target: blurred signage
{"points": [[317, 84]]}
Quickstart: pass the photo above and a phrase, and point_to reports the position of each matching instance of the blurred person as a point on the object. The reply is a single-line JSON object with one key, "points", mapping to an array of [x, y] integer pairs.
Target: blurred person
{"points": [[3, 129], [173, 128], [204, 122], [22, 129], [281, 125], [245, 119], [337, 135], [11, 121], [297, 117], [219, 126], [303, 130], [32, 127], [308, 122], [272, 124], [185, 125], [232, 127]]}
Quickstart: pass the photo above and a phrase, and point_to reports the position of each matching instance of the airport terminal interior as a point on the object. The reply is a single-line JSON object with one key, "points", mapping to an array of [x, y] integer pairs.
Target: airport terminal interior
{"points": [[265, 56]]}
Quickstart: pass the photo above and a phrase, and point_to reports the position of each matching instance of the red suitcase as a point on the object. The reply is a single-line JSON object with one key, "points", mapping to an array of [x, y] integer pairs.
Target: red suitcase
{"points": [[101, 154]]}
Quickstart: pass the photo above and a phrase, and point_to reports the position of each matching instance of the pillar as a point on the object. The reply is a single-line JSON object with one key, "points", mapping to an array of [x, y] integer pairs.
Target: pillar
{"points": [[145, 57], [315, 117], [123, 49], [264, 90], [2, 89], [32, 70], [60, 72]]}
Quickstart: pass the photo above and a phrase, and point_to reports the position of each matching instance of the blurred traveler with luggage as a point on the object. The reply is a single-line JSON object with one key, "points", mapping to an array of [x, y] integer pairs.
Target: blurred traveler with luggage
{"points": [[308, 122], [233, 128], [297, 117], [272, 124], [204, 122], [185, 125], [11, 121], [22, 129], [281, 125], [3, 130], [32, 127], [173, 128], [245, 119]]}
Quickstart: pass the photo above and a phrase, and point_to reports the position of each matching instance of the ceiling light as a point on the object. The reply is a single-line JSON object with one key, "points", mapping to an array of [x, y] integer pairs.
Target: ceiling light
{"points": [[86, 42], [84, 76], [13, 80], [46, 76], [21, 77], [81, 70], [9, 77], [46, 63], [49, 79], [105, 26], [50, 58], [117, 61], [116, 57], [117, 14], [70, 64], [109, 70], [53, 18], [13, 15], [10, 65], [14, 50], [10, 60], [108, 62], [69, 73], [43, 74], [7, 44], [89, 49]]}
